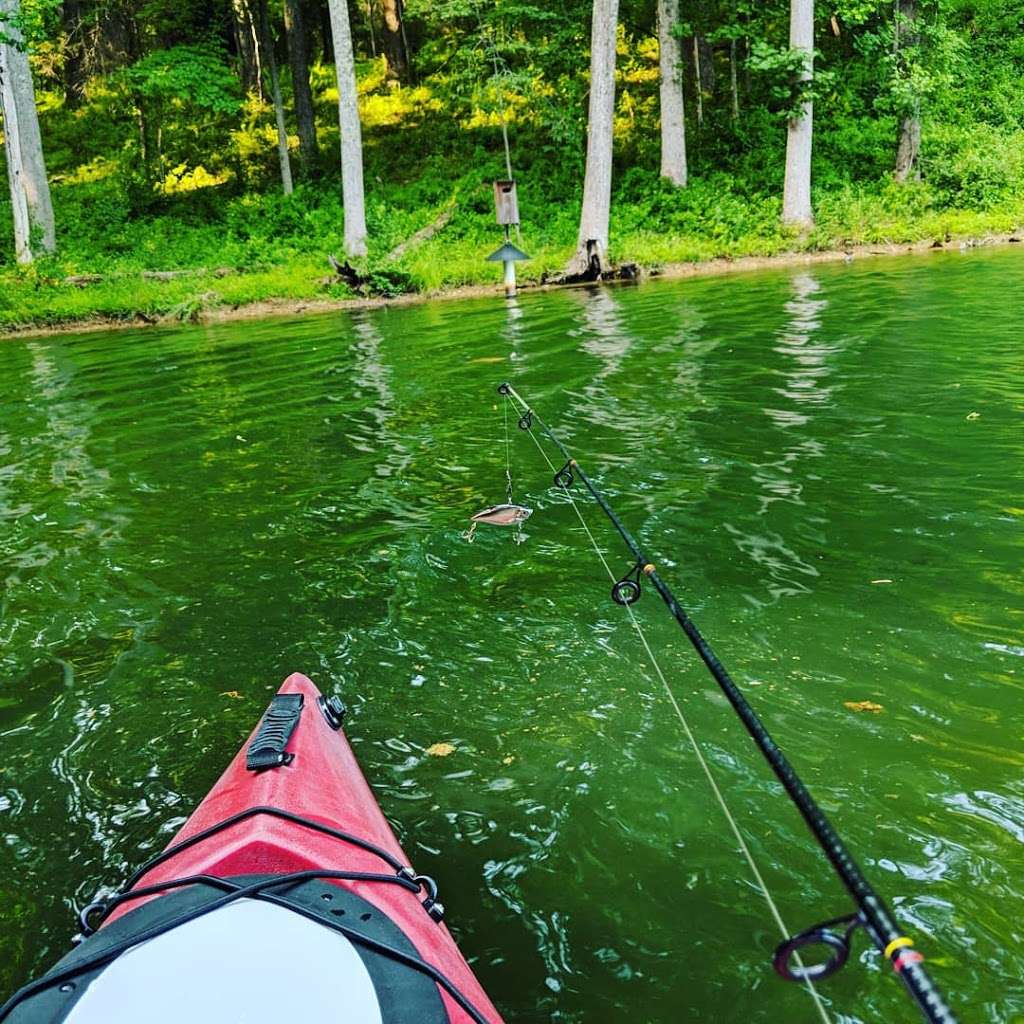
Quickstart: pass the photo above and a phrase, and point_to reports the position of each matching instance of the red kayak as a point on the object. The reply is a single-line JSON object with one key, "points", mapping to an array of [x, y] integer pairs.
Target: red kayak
{"points": [[284, 897]]}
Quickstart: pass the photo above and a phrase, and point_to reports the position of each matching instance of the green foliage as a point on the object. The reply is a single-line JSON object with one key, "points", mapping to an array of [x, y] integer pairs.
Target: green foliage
{"points": [[196, 76], [977, 167], [781, 69]]}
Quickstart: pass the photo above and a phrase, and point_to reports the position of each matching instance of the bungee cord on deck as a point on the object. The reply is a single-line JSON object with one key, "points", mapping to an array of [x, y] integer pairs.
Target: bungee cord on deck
{"points": [[872, 914]]}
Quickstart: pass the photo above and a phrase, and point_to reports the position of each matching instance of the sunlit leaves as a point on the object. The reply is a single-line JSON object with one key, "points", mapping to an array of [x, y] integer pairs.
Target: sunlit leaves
{"points": [[196, 75]]}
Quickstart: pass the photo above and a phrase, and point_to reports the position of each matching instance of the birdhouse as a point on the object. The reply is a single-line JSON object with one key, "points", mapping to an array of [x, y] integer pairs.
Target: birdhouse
{"points": [[506, 205]]}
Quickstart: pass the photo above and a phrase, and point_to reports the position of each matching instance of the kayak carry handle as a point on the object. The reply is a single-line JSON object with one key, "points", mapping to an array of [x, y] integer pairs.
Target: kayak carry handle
{"points": [[279, 721]]}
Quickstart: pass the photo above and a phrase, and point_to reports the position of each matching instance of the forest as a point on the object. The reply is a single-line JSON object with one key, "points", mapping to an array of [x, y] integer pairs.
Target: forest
{"points": [[167, 158]]}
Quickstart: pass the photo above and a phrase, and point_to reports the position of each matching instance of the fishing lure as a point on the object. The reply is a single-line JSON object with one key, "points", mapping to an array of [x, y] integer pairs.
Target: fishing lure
{"points": [[508, 513]]}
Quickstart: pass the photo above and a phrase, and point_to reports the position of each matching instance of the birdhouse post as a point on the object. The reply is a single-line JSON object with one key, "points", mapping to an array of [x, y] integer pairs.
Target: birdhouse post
{"points": [[506, 210]]}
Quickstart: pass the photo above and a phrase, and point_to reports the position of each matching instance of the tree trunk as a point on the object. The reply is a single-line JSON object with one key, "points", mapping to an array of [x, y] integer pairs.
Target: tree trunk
{"points": [[74, 54], [369, 26], [247, 43], [351, 133], [908, 147], [698, 88], [673, 124], [707, 65], [394, 40], [325, 33], [908, 144], [26, 169], [592, 244], [796, 199], [269, 62], [733, 82], [298, 58], [15, 169]]}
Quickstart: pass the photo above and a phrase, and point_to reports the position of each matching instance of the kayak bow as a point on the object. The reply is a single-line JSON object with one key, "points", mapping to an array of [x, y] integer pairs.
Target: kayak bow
{"points": [[284, 896]]}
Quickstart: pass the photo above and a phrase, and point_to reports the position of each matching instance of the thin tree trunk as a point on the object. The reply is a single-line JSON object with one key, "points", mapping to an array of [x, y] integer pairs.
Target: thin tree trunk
{"points": [[325, 33], [369, 25], [394, 41], [26, 168], [247, 41], [351, 133], [269, 62], [796, 199], [707, 65], [698, 85], [405, 38], [592, 244], [733, 83], [673, 123], [74, 54], [298, 58], [908, 144]]}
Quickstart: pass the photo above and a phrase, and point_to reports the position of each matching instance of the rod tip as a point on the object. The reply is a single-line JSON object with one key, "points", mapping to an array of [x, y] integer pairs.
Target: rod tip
{"points": [[504, 388]]}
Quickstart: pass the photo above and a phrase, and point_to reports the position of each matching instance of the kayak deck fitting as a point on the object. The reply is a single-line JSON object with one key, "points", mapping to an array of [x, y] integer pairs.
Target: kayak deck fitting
{"points": [[284, 896]]}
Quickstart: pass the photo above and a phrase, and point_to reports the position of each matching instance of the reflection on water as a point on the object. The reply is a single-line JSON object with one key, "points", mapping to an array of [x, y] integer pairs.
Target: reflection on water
{"points": [[186, 515]]}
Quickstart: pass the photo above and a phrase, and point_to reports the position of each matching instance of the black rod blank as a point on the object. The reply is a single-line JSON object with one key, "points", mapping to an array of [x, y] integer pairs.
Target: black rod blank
{"points": [[878, 918]]}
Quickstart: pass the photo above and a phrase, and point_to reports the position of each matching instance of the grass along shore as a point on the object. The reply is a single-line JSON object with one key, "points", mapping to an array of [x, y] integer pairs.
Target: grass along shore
{"points": [[268, 254]]}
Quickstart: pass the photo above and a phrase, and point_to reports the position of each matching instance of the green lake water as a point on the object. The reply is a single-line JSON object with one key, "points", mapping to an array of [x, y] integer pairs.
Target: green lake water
{"points": [[827, 465]]}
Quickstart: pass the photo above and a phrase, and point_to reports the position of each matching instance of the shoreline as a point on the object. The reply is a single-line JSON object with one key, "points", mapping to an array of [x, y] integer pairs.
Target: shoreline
{"points": [[269, 308]]}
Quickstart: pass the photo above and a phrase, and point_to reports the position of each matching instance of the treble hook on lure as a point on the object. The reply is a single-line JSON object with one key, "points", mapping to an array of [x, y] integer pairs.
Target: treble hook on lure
{"points": [[505, 514]]}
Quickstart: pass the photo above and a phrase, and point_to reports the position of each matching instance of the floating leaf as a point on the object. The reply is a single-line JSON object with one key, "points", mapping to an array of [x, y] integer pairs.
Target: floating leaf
{"points": [[233, 694], [973, 416], [440, 749], [507, 760], [862, 705]]}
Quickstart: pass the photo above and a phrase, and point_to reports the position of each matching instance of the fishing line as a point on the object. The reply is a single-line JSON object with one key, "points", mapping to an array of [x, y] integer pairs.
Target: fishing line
{"points": [[508, 457], [691, 737], [872, 913]]}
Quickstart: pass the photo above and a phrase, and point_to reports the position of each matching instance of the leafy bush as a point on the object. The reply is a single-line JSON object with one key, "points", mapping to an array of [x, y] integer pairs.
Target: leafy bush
{"points": [[976, 166]]}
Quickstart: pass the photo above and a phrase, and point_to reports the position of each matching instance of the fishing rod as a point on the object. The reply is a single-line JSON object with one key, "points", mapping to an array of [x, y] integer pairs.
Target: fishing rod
{"points": [[872, 913]]}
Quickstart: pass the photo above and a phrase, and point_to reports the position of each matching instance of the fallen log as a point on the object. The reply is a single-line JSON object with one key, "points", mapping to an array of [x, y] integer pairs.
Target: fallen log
{"points": [[423, 234], [170, 275], [84, 280]]}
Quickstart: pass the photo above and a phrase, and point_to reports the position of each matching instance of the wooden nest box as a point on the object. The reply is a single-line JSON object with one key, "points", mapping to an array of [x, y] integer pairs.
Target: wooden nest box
{"points": [[506, 204]]}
